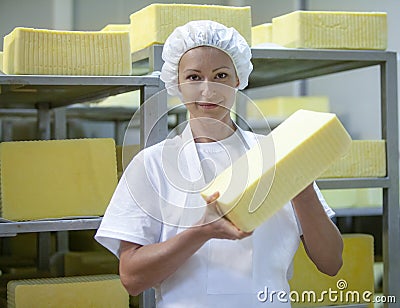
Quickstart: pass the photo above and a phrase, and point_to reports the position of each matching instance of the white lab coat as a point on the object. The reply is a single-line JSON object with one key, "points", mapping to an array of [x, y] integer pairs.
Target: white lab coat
{"points": [[157, 197]]}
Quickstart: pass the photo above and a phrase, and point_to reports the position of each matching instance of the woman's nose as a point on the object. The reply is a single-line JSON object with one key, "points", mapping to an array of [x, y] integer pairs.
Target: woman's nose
{"points": [[207, 90]]}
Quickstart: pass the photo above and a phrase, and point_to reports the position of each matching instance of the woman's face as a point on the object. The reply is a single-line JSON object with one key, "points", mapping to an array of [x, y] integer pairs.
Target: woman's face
{"points": [[207, 80]]}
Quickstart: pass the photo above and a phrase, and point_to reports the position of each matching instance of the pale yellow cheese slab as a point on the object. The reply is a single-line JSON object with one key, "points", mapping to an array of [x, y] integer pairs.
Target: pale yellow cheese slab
{"points": [[154, 23], [116, 27], [350, 198], [355, 278], [41, 51], [57, 178], [284, 106], [90, 263], [269, 175], [1, 61], [331, 30], [261, 34], [66, 292], [366, 158]]}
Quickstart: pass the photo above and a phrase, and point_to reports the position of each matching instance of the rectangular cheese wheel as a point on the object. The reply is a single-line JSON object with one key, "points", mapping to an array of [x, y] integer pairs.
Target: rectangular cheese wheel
{"points": [[65, 292], [284, 106], [56, 178], [331, 30], [90, 263], [279, 167], [261, 34], [154, 23], [366, 158], [50, 52]]}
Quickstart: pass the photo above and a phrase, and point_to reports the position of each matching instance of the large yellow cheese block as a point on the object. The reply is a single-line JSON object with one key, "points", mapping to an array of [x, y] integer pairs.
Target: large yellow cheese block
{"points": [[348, 198], [309, 287], [78, 292], [116, 27], [269, 175], [261, 34], [90, 263], [57, 178], [366, 158], [284, 106], [1, 61], [154, 23], [331, 30], [40, 51]]}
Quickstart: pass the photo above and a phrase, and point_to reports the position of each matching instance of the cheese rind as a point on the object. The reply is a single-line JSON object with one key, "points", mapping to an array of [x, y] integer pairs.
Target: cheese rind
{"points": [[40, 51], [154, 23], [65, 292], [304, 146], [58, 178], [366, 158], [284, 106], [331, 30], [261, 34]]}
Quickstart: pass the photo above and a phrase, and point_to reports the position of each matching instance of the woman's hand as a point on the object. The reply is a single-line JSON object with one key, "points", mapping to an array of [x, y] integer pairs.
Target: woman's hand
{"points": [[216, 225]]}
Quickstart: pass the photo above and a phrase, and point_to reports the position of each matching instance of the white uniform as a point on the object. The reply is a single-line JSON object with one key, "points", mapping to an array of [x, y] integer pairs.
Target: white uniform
{"points": [[154, 201]]}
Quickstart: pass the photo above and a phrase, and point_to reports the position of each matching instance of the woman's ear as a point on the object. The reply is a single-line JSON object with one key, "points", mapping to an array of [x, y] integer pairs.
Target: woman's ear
{"points": [[237, 82]]}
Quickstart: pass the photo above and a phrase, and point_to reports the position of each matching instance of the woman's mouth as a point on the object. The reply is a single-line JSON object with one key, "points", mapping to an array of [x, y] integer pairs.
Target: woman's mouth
{"points": [[207, 105]]}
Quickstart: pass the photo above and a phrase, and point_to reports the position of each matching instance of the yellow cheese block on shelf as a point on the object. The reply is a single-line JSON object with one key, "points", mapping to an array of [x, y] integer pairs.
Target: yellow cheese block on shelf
{"points": [[353, 285], [350, 198], [284, 106], [331, 30], [90, 263], [1, 62], [259, 183], [366, 158], [116, 27], [261, 34], [50, 52], [57, 178], [154, 23], [65, 292]]}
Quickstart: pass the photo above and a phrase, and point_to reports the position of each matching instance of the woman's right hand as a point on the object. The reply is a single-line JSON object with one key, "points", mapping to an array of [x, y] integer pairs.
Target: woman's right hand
{"points": [[216, 225]]}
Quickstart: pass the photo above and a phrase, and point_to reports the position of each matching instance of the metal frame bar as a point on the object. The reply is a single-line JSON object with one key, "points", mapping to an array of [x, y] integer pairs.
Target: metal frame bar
{"points": [[391, 213]]}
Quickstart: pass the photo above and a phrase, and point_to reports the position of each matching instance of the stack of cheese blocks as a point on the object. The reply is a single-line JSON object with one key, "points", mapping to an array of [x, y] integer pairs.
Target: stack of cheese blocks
{"points": [[325, 29], [304, 146], [50, 52], [78, 292], [56, 178]]}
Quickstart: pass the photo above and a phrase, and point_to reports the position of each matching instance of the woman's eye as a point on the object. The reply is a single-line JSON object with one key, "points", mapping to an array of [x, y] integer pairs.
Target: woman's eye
{"points": [[193, 77], [222, 75]]}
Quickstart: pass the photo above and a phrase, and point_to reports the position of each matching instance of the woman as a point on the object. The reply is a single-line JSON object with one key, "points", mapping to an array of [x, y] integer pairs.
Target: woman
{"points": [[166, 236]]}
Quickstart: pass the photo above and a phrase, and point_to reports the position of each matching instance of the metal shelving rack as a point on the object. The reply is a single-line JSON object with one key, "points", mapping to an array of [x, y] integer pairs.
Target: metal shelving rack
{"points": [[274, 66], [46, 94]]}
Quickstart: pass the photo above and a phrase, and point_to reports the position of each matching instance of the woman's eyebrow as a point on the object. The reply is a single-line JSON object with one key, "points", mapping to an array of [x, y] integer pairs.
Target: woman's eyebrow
{"points": [[218, 68], [191, 70]]}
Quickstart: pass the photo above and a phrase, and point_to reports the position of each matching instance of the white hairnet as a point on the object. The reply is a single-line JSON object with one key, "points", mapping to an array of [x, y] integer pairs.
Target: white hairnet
{"points": [[204, 33]]}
